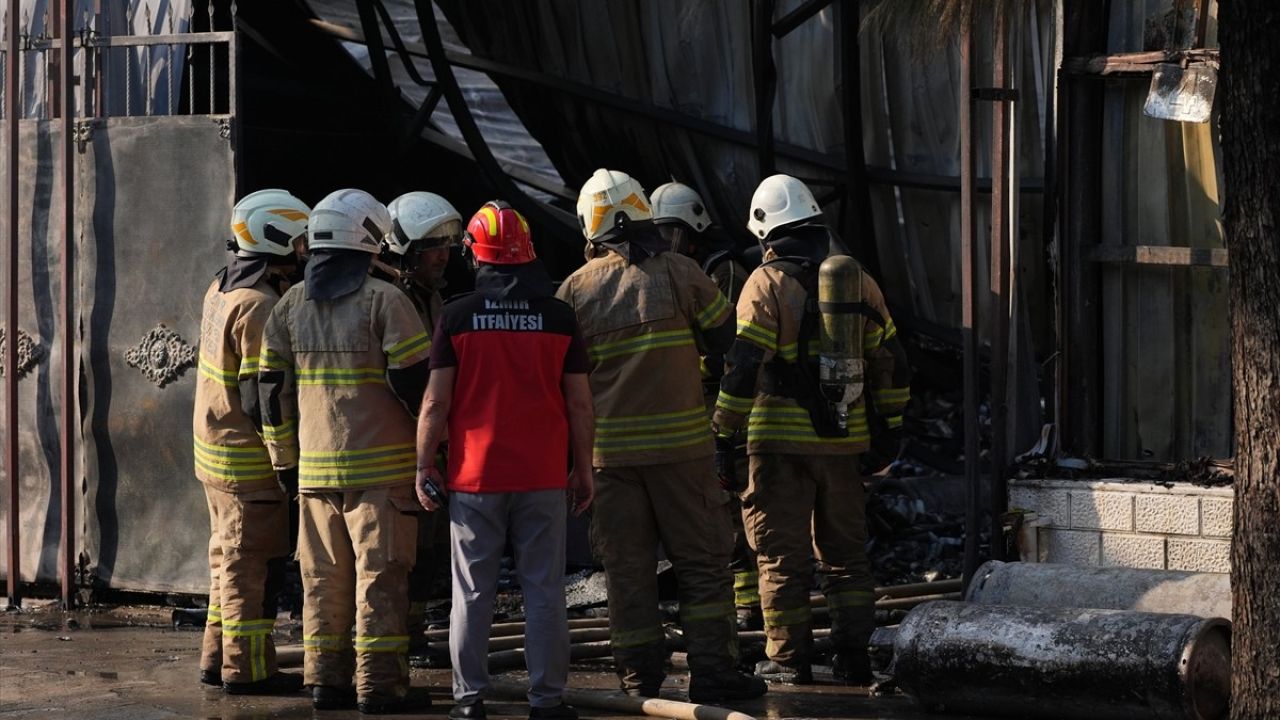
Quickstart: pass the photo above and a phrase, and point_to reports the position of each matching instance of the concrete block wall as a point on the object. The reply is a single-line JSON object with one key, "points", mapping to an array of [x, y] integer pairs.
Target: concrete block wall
{"points": [[1129, 524]]}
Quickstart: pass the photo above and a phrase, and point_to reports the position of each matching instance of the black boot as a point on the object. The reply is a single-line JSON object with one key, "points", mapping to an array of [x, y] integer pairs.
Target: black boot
{"points": [[724, 686], [327, 697], [776, 672], [278, 684], [211, 677], [852, 668]]}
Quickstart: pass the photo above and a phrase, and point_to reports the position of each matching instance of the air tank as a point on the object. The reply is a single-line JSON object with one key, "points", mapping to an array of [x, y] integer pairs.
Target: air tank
{"points": [[1054, 585], [987, 660], [840, 365]]}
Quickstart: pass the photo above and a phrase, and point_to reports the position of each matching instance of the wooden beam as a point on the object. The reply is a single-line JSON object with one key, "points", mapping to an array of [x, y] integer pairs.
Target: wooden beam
{"points": [[1132, 64], [1160, 255]]}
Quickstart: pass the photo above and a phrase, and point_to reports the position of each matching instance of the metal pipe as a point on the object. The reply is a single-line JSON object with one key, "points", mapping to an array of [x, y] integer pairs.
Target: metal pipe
{"points": [[618, 703], [517, 628], [969, 302], [1001, 111], [13, 63], [1064, 663], [576, 637], [1057, 586], [766, 82], [68, 424], [508, 659]]}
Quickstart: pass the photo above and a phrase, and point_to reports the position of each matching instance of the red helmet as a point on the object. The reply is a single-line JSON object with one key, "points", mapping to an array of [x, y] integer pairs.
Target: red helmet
{"points": [[498, 235]]}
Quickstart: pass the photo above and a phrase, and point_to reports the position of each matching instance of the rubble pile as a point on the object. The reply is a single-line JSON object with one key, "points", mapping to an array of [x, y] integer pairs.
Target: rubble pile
{"points": [[911, 543]]}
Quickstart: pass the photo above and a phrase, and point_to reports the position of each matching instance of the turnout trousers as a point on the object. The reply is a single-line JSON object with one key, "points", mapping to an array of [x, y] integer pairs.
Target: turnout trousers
{"points": [[355, 549], [248, 531], [682, 506], [798, 509]]}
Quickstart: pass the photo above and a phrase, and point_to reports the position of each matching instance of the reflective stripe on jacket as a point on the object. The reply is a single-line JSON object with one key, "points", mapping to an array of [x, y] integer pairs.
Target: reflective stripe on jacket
{"points": [[229, 453], [770, 311], [328, 406], [643, 325]]}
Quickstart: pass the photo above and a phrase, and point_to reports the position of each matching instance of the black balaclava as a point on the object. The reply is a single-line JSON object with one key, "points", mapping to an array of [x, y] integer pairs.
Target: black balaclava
{"points": [[332, 274]]}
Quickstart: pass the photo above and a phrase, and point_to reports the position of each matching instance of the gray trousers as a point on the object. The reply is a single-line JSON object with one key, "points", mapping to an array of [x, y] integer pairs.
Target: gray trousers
{"points": [[480, 525]]}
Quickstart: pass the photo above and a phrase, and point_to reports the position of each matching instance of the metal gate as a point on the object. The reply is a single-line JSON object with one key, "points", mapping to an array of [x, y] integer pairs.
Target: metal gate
{"points": [[153, 183]]}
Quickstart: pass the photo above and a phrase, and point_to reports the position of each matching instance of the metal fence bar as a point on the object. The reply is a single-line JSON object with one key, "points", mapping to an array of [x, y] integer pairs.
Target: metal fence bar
{"points": [[69, 415], [12, 71]]}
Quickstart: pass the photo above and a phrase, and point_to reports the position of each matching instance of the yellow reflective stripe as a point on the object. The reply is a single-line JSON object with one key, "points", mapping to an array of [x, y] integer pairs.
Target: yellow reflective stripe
{"points": [[790, 351], [278, 433], [849, 598], [893, 421], [641, 343], [893, 395], [636, 638], [271, 360], [248, 367], [764, 337], [258, 656], [341, 376], [338, 477], [356, 463], [376, 451], [706, 611], [632, 423], [408, 347], [235, 474], [389, 643], [231, 451], [656, 441], [214, 613], [733, 403], [797, 435], [746, 588], [877, 337], [326, 643], [783, 618], [217, 374], [709, 316]]}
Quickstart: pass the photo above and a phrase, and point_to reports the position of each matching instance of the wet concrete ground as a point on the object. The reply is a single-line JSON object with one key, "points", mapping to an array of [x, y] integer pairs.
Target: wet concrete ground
{"points": [[129, 663]]}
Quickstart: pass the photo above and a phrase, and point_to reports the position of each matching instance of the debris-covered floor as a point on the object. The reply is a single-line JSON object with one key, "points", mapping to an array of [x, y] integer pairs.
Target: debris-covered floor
{"points": [[129, 663]]}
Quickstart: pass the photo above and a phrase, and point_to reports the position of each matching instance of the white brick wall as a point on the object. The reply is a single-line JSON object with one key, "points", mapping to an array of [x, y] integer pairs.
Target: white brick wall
{"points": [[1129, 524]]}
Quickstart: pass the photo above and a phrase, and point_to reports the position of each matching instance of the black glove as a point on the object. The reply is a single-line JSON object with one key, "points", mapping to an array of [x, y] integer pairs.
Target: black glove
{"points": [[726, 467], [289, 481]]}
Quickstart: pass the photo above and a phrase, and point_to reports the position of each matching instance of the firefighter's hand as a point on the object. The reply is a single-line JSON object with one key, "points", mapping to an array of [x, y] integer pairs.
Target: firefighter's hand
{"points": [[288, 479], [726, 467], [430, 475], [581, 490]]}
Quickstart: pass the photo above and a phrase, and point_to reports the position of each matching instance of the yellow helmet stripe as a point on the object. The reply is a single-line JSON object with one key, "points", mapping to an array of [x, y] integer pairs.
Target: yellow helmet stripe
{"points": [[242, 231], [491, 219], [598, 214], [636, 202], [288, 214]]}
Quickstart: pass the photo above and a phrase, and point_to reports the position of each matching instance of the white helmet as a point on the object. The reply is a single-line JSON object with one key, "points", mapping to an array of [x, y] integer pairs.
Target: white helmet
{"points": [[780, 200], [348, 220], [267, 222], [609, 200], [422, 217], [677, 202]]}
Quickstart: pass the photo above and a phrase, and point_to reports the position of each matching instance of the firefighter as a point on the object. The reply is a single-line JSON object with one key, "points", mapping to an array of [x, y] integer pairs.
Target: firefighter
{"points": [[424, 229], [804, 492], [248, 501], [682, 218], [643, 312], [343, 369]]}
